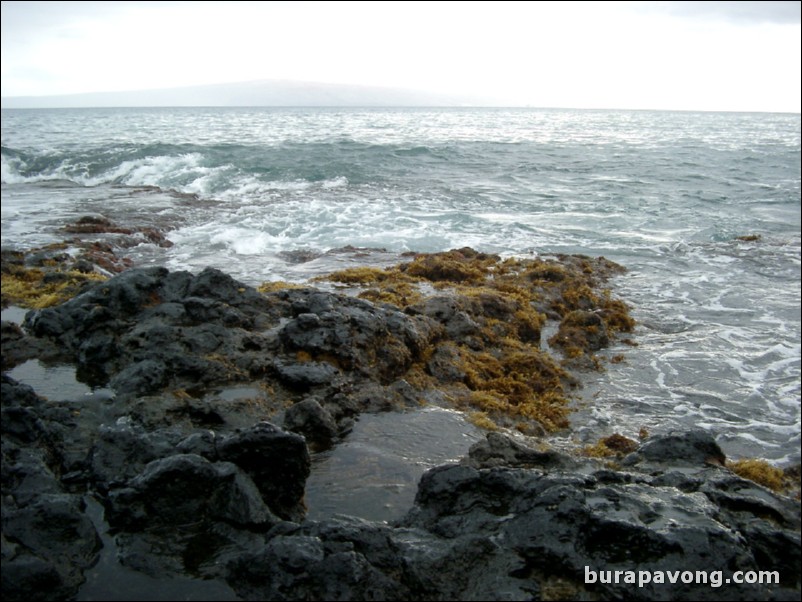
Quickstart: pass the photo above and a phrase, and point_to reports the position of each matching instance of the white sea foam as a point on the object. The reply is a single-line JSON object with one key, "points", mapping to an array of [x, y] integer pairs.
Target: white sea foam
{"points": [[9, 171], [244, 241], [151, 171], [338, 182]]}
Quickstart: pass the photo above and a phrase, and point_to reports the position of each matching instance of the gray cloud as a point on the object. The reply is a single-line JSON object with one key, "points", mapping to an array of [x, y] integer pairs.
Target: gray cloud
{"points": [[763, 11]]}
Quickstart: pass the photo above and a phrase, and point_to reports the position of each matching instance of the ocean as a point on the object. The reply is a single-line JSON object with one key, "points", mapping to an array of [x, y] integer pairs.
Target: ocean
{"points": [[703, 209]]}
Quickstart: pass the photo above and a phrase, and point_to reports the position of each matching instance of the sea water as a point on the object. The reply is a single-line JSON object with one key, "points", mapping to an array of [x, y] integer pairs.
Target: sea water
{"points": [[268, 193]]}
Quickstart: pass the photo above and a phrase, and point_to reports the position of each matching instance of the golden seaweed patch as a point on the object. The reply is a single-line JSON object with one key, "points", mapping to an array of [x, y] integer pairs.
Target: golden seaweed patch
{"points": [[759, 471], [278, 285], [33, 288], [500, 368]]}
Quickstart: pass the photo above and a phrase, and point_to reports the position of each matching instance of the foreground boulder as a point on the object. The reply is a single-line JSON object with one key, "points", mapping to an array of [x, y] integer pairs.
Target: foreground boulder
{"points": [[165, 490], [47, 539], [183, 489], [554, 527]]}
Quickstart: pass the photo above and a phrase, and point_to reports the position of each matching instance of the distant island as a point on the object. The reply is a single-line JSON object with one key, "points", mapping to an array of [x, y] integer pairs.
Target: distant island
{"points": [[268, 93]]}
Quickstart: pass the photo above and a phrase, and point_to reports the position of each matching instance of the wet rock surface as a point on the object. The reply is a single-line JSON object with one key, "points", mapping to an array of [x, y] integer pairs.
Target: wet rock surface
{"points": [[489, 533], [512, 533], [198, 481], [508, 522]]}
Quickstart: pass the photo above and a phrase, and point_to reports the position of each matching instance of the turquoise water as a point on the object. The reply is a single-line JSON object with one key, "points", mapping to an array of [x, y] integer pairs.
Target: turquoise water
{"points": [[667, 194]]}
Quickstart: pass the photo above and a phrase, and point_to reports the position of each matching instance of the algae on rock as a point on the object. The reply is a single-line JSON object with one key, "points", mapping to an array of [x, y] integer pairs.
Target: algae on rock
{"points": [[489, 356]]}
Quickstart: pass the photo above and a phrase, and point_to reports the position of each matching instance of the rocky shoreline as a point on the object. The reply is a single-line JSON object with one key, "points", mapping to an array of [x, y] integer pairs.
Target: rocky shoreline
{"points": [[195, 484]]}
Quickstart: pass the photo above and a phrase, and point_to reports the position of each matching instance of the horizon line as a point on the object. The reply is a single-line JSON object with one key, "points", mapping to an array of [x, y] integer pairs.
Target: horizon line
{"points": [[299, 93], [385, 106]]}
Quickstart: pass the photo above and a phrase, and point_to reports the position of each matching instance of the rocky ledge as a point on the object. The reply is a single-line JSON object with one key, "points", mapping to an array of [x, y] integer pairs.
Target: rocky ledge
{"points": [[195, 482]]}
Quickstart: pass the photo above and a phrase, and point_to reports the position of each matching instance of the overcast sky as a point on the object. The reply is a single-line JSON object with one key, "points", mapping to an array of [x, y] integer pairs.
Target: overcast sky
{"points": [[648, 55]]}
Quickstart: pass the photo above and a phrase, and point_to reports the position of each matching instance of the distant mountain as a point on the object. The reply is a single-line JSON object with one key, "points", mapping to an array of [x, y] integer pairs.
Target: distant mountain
{"points": [[271, 93]]}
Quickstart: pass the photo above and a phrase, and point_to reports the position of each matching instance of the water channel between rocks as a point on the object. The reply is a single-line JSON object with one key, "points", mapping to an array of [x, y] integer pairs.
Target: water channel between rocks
{"points": [[373, 473]]}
